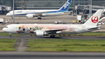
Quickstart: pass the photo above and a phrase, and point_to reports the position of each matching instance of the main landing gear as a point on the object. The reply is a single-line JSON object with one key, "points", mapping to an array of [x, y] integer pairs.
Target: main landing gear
{"points": [[52, 36], [39, 18]]}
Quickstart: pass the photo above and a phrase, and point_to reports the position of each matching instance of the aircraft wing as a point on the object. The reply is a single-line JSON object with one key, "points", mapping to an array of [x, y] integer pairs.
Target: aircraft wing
{"points": [[40, 13], [53, 31]]}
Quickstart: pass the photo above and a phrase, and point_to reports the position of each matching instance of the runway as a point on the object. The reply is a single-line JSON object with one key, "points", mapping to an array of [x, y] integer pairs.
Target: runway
{"points": [[51, 55], [63, 37]]}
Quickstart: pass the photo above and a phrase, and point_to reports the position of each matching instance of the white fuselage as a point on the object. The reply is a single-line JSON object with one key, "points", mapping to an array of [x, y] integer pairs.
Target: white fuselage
{"points": [[41, 13], [23, 13], [28, 28]]}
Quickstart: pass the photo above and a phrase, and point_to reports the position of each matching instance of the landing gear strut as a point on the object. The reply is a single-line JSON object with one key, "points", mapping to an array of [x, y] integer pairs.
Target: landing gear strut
{"points": [[39, 17], [10, 35], [52, 36]]}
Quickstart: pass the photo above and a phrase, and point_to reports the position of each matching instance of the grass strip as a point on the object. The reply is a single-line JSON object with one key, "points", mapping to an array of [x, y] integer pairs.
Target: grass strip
{"points": [[66, 45], [7, 34], [7, 44], [82, 34]]}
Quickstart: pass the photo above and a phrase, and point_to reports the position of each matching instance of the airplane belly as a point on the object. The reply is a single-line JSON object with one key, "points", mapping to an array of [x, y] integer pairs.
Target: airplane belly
{"points": [[69, 31], [52, 14], [20, 15]]}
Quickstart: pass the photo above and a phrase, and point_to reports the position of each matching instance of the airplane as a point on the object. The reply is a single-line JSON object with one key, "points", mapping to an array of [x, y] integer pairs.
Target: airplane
{"points": [[40, 13], [45, 29]]}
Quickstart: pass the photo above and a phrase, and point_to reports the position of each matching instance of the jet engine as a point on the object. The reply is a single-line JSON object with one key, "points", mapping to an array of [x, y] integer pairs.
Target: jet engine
{"points": [[40, 33], [30, 16]]}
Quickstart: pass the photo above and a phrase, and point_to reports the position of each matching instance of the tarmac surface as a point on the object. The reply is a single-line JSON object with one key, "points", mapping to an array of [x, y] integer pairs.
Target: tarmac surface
{"points": [[52, 55]]}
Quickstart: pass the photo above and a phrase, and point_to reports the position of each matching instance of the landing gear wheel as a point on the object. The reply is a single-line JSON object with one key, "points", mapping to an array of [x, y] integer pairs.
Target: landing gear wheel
{"points": [[52, 36], [39, 18]]}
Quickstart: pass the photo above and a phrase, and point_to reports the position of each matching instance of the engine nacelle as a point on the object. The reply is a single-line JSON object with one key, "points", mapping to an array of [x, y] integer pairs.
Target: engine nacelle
{"points": [[40, 33], [30, 16]]}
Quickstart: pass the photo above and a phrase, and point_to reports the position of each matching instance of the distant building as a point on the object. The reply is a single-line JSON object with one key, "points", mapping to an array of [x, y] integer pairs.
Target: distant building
{"points": [[39, 4], [98, 2], [47, 4]]}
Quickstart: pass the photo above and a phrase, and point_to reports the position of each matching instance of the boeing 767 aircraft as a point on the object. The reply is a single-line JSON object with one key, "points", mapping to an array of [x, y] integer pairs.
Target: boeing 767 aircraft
{"points": [[40, 13], [45, 29]]}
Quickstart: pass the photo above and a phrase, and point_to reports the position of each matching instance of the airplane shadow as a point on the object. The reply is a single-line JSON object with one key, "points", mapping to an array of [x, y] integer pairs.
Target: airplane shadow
{"points": [[54, 37]]}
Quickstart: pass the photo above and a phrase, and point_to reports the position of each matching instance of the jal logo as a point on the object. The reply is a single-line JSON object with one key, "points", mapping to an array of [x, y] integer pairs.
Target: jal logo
{"points": [[65, 6], [94, 19]]}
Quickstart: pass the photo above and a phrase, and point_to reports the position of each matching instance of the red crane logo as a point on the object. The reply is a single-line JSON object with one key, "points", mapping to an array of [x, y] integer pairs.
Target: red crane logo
{"points": [[94, 19]]}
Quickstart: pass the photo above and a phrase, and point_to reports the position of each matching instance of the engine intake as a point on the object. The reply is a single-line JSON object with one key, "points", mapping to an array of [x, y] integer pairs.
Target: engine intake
{"points": [[40, 33], [30, 16]]}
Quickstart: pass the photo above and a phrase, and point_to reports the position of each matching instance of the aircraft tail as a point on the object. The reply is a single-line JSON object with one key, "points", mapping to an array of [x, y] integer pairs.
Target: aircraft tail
{"points": [[93, 20], [66, 6]]}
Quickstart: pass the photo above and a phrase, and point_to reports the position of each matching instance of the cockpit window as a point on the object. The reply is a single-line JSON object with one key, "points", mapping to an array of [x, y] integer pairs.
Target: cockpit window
{"points": [[6, 27]]}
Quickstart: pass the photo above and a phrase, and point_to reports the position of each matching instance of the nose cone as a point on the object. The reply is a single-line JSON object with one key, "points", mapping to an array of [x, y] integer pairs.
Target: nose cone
{"points": [[4, 29], [9, 30], [8, 14]]}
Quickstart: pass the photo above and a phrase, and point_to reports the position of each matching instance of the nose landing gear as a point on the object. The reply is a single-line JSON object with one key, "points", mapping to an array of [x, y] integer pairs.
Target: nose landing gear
{"points": [[10, 35]]}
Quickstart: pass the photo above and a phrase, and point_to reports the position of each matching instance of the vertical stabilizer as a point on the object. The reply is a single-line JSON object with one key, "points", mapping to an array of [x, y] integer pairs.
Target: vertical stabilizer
{"points": [[94, 19], [66, 6]]}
